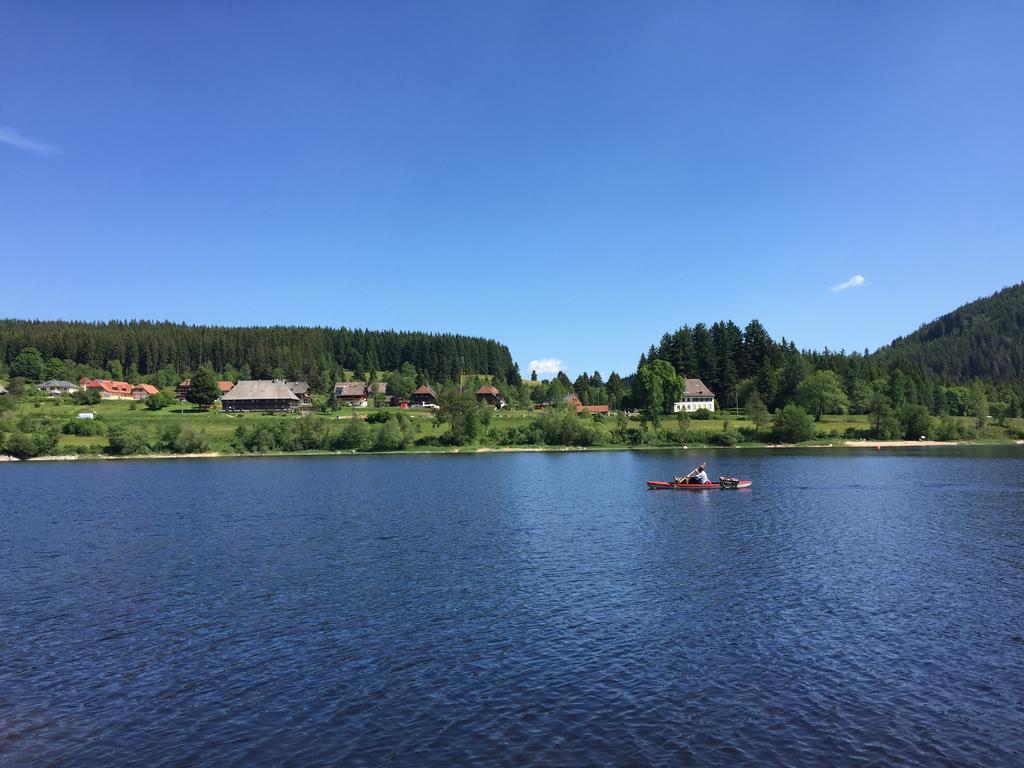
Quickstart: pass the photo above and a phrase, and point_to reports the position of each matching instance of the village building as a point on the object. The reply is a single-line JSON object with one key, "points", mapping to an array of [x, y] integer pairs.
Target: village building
{"points": [[424, 397], [181, 392], [142, 391], [110, 390], [354, 393], [696, 396], [392, 401], [300, 389], [491, 396], [268, 396], [574, 400], [57, 388]]}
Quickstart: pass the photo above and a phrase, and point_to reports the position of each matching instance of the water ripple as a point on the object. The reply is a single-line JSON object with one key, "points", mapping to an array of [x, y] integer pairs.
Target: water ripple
{"points": [[850, 609]]}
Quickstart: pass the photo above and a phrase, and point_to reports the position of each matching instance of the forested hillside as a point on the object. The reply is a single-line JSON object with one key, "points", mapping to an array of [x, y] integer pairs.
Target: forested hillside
{"points": [[983, 339], [949, 365], [140, 349]]}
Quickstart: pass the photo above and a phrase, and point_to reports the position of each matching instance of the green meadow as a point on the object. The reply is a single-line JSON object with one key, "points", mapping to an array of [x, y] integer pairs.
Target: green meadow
{"points": [[499, 429]]}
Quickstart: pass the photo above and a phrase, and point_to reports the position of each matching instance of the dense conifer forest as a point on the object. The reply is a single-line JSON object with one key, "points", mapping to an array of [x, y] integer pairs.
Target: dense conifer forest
{"points": [[979, 343], [163, 351], [948, 366], [983, 339]]}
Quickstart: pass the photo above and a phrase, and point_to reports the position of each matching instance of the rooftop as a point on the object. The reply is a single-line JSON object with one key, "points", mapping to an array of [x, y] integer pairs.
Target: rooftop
{"points": [[695, 387], [350, 389], [260, 390]]}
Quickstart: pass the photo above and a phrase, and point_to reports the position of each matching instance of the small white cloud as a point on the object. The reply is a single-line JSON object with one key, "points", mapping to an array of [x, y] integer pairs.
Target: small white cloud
{"points": [[854, 282], [14, 139], [546, 366]]}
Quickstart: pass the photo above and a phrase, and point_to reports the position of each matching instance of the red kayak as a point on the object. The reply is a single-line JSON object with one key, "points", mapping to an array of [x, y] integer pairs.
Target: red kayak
{"points": [[661, 485]]}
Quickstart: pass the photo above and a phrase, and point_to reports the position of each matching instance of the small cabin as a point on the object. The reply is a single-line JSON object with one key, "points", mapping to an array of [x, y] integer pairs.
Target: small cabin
{"points": [[424, 397], [490, 395]]}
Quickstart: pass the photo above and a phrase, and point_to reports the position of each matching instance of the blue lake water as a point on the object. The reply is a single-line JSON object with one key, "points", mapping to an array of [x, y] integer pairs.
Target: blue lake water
{"points": [[852, 608]]}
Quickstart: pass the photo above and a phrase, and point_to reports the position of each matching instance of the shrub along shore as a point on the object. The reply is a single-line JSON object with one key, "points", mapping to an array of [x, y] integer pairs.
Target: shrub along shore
{"points": [[41, 427]]}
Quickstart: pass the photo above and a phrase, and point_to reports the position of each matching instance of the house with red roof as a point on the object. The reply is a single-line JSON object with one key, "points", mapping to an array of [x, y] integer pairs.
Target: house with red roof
{"points": [[110, 390], [573, 400], [142, 391]]}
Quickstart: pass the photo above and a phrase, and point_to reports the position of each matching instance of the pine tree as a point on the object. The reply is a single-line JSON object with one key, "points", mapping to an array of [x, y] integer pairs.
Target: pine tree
{"points": [[203, 390]]}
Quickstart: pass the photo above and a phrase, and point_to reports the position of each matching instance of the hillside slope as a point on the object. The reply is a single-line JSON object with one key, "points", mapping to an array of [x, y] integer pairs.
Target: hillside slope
{"points": [[984, 339]]}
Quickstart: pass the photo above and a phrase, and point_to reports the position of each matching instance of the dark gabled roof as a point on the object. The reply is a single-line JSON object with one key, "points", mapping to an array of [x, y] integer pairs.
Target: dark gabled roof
{"points": [[298, 387], [259, 390], [56, 384], [350, 389], [425, 389], [695, 387], [489, 390]]}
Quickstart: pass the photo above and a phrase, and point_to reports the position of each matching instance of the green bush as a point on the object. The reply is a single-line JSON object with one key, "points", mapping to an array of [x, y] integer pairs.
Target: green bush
{"points": [[561, 426], [354, 436], [725, 437], [159, 400], [916, 421], [125, 442], [391, 437], [701, 414], [83, 427], [28, 445], [86, 397], [177, 439], [953, 429], [256, 438], [525, 434], [793, 425]]}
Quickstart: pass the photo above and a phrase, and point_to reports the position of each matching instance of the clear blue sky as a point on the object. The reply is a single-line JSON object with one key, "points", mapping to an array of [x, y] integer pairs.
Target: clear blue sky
{"points": [[571, 178]]}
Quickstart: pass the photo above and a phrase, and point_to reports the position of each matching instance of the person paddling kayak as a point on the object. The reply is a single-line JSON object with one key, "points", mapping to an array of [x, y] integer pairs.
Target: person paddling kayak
{"points": [[696, 477]]}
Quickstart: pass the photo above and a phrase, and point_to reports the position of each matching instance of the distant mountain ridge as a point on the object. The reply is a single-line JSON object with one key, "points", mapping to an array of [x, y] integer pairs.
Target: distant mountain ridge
{"points": [[982, 339]]}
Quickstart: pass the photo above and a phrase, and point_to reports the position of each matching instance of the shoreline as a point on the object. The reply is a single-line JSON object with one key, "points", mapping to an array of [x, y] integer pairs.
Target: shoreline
{"points": [[843, 444]]}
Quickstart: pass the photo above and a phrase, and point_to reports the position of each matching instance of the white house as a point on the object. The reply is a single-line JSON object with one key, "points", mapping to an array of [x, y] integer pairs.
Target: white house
{"points": [[695, 397], [56, 388]]}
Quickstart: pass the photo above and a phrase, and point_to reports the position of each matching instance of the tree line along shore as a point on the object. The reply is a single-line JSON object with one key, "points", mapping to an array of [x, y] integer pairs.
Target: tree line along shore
{"points": [[958, 378], [32, 427]]}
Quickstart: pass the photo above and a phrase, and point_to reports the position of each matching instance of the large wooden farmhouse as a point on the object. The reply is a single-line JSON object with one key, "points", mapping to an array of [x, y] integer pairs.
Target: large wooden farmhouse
{"points": [[270, 396]]}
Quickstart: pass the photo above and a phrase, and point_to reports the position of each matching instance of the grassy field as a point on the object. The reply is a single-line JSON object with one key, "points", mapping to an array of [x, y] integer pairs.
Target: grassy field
{"points": [[219, 428]]}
